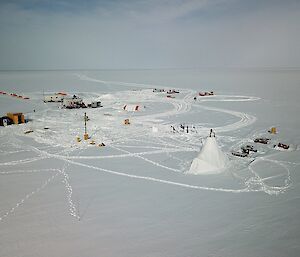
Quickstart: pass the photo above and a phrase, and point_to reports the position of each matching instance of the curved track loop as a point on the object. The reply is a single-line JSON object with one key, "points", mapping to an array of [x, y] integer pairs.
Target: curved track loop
{"points": [[165, 143]]}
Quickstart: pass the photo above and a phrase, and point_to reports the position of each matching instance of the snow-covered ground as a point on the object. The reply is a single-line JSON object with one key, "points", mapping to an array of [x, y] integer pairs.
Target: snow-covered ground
{"points": [[133, 196]]}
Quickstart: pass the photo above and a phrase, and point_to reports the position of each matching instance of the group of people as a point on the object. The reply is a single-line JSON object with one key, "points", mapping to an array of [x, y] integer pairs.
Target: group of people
{"points": [[184, 128], [187, 129]]}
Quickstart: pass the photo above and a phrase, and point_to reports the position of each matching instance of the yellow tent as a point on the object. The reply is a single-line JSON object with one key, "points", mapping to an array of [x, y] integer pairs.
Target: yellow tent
{"points": [[17, 118]]}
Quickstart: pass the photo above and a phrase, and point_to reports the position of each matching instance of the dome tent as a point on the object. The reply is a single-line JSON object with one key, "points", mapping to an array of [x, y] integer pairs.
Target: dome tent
{"points": [[211, 160], [131, 107]]}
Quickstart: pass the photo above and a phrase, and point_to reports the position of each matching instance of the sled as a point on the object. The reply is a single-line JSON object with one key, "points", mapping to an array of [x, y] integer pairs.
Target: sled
{"points": [[206, 93], [262, 140], [284, 146], [248, 148], [239, 154]]}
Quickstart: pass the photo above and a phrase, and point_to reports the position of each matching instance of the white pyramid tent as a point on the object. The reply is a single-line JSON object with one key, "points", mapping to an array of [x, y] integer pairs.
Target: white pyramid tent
{"points": [[211, 160]]}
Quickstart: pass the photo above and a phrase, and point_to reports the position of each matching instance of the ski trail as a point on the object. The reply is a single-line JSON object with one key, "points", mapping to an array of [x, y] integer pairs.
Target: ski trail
{"points": [[127, 154], [229, 98], [144, 147], [73, 210], [72, 207], [180, 106], [257, 181], [162, 181], [181, 162], [28, 196], [128, 84], [69, 190], [147, 160], [42, 155], [148, 178], [28, 160], [12, 152], [25, 171], [157, 143], [245, 119]]}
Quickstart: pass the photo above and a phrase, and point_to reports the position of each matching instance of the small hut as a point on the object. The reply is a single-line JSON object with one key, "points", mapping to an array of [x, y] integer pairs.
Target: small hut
{"points": [[96, 104], [131, 107], [53, 98], [17, 118], [71, 103]]}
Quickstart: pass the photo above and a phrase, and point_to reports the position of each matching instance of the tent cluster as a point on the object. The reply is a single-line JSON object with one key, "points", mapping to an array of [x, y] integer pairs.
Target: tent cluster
{"points": [[172, 91], [206, 93], [160, 90], [169, 92], [74, 102], [56, 98], [68, 102], [14, 95], [131, 107]]}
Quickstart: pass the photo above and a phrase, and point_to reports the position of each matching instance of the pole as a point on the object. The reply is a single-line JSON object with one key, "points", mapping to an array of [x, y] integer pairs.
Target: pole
{"points": [[85, 136], [85, 118]]}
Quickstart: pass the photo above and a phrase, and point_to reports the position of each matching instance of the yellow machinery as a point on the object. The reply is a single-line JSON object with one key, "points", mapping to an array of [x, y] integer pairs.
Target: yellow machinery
{"points": [[273, 130], [17, 118]]}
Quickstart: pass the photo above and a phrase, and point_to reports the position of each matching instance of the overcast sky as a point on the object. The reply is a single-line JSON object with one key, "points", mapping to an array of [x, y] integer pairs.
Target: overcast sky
{"points": [[112, 34]]}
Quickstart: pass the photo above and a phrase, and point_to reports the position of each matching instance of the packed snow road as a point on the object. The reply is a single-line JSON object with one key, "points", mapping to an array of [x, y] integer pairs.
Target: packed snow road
{"points": [[134, 196], [164, 149]]}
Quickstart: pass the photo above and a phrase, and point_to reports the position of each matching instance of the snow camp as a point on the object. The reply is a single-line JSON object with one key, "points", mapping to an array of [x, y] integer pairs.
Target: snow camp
{"points": [[181, 144], [149, 128]]}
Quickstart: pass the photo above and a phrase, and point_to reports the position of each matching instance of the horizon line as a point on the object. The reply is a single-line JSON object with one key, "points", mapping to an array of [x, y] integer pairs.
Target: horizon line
{"points": [[270, 68]]}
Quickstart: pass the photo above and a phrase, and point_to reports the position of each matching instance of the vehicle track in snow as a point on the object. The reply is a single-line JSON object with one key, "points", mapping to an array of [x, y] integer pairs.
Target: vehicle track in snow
{"points": [[245, 119], [184, 105], [29, 195], [158, 145]]}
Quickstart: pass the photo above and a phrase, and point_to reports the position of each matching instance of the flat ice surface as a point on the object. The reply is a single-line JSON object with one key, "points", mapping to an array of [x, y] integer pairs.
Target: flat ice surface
{"points": [[133, 197]]}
